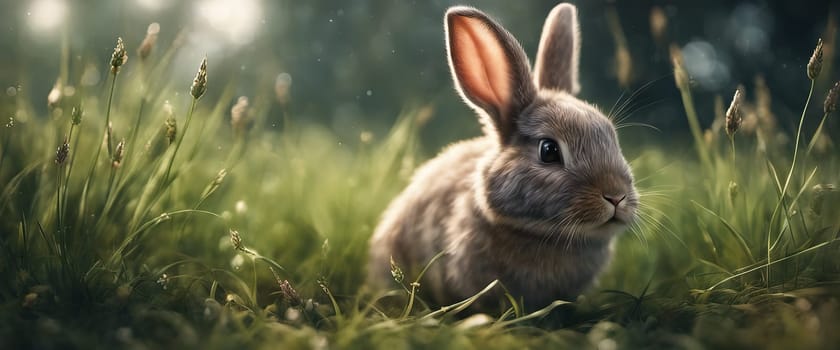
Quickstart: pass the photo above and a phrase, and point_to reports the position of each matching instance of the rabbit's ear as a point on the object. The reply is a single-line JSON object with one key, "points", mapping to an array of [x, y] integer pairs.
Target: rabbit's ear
{"points": [[557, 58], [490, 69]]}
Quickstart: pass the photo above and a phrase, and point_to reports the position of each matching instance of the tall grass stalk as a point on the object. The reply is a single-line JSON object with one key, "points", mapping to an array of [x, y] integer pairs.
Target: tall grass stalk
{"points": [[94, 162], [179, 142], [787, 181], [682, 81]]}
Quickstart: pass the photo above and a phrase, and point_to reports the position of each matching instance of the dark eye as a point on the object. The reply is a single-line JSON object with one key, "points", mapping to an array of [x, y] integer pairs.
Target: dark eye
{"points": [[550, 151]]}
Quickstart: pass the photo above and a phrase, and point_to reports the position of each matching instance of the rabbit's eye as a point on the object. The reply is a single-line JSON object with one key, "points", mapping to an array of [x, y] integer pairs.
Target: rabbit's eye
{"points": [[550, 151]]}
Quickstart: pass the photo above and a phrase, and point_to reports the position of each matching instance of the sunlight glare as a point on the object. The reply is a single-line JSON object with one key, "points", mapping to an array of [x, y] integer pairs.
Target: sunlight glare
{"points": [[45, 15], [237, 19]]}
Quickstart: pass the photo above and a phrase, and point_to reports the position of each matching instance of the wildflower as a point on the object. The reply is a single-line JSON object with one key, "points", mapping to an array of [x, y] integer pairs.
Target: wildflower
{"points": [[119, 57], [170, 123], [239, 116], [815, 63], [236, 240], [680, 75], [830, 104], [62, 152], [733, 114], [199, 85], [119, 152], [76, 115], [149, 41]]}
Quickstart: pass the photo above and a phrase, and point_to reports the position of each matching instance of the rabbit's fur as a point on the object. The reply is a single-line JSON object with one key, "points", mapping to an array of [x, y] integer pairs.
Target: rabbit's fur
{"points": [[495, 210]]}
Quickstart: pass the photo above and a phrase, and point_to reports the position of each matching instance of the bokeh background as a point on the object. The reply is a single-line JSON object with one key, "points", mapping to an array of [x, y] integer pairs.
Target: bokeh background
{"points": [[355, 66]]}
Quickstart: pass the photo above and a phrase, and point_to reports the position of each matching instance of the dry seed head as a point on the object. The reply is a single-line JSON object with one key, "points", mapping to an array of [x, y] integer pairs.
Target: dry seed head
{"points": [[119, 152], [62, 152], [119, 57], [830, 104], [815, 63], [680, 75], [236, 240], [199, 85], [149, 41], [76, 115], [733, 114], [170, 123], [239, 116]]}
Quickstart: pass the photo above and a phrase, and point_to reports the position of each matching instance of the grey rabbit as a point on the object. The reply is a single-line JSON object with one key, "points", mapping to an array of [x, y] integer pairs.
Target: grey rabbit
{"points": [[537, 201]]}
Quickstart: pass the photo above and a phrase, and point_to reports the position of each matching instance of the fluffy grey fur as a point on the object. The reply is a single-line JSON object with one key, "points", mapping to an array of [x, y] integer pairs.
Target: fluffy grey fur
{"points": [[495, 210]]}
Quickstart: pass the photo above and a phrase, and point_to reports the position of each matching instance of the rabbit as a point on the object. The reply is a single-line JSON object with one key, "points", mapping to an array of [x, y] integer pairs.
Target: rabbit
{"points": [[536, 202]]}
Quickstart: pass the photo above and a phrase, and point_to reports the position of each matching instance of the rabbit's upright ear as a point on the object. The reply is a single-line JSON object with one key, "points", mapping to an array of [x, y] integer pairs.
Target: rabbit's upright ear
{"points": [[557, 58], [490, 69]]}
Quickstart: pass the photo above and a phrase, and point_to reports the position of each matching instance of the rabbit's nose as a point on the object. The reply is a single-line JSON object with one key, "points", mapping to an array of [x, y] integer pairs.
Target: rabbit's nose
{"points": [[615, 200]]}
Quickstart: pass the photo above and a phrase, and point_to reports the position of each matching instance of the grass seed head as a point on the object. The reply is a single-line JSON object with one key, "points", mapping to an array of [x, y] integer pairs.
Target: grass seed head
{"points": [[733, 114], [815, 63], [199, 85], [289, 294], [76, 115], [149, 41], [236, 240], [680, 75], [733, 190], [119, 152], [119, 57], [220, 177], [830, 104], [170, 123], [62, 152], [396, 271], [240, 116]]}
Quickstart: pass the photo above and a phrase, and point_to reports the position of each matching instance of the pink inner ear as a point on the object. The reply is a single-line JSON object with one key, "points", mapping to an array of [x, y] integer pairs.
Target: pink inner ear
{"points": [[480, 62]]}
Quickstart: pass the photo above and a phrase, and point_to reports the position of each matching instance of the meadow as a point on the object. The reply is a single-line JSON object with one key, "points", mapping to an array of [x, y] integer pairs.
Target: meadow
{"points": [[149, 213]]}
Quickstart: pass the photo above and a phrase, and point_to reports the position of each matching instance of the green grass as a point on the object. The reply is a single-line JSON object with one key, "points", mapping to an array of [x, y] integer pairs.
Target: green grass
{"points": [[141, 254]]}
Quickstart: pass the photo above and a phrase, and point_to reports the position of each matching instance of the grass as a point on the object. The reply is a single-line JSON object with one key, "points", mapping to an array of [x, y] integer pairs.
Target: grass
{"points": [[259, 238]]}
